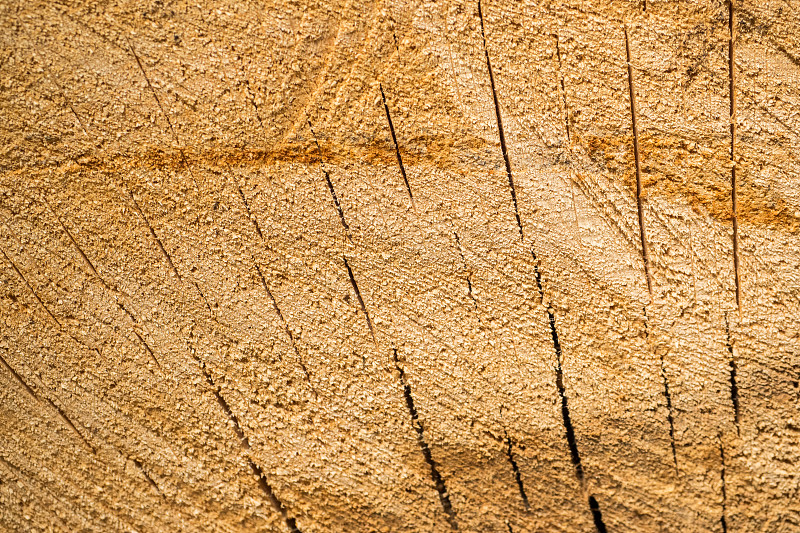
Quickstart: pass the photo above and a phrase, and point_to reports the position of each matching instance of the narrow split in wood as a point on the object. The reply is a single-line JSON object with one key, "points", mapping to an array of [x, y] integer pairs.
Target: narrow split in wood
{"points": [[397, 148], [163, 112], [244, 443], [638, 163], [438, 480], [500, 125], [360, 299], [331, 189], [734, 182]]}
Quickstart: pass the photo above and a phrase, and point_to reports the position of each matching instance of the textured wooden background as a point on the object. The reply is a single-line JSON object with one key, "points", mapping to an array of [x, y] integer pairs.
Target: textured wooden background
{"points": [[399, 266]]}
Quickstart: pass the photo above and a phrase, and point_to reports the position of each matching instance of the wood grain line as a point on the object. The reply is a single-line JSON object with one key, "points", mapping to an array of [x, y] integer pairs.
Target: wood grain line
{"points": [[734, 181], [397, 147], [360, 299], [500, 125], [163, 112], [155, 237], [438, 480], [638, 163]]}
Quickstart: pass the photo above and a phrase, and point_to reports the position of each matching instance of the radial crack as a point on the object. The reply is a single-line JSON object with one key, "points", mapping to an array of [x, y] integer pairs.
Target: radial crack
{"points": [[500, 125], [638, 163], [438, 480]]}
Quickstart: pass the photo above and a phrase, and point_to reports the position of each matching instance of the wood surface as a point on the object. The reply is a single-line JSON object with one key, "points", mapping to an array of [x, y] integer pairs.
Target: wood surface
{"points": [[348, 266]]}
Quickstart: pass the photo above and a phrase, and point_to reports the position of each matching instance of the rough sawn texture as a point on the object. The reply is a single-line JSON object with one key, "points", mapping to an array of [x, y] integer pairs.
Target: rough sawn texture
{"points": [[399, 266]]}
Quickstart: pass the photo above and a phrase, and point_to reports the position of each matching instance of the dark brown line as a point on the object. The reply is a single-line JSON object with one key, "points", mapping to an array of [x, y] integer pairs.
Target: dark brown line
{"points": [[146, 475], [169, 122], [125, 310], [18, 378], [244, 442], [71, 425], [667, 396], [466, 270], [155, 237], [147, 348], [277, 309], [438, 480], [69, 104], [734, 387], [637, 158], [396, 146], [291, 523], [572, 442], [330, 186], [75, 243], [203, 296], [30, 288], [670, 416], [723, 519], [563, 91], [285, 328], [734, 183], [500, 125], [338, 205], [597, 516], [569, 429], [360, 299], [517, 473], [250, 213]]}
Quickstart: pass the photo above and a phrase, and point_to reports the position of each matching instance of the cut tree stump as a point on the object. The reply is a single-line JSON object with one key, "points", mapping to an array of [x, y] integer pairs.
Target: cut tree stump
{"points": [[400, 266]]}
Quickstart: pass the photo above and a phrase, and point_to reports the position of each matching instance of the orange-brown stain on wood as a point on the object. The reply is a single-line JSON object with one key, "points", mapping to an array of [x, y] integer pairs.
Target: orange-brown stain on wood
{"points": [[697, 172]]}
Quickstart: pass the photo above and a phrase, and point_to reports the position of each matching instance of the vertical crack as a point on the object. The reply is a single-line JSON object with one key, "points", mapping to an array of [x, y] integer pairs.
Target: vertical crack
{"points": [[155, 237], [244, 443], [723, 519], [147, 349], [517, 473], [569, 429], [141, 340], [667, 396], [19, 378], [732, 376], [30, 287], [147, 476], [250, 214], [36, 397], [203, 296], [467, 275], [330, 186], [438, 480], [285, 328], [360, 299], [734, 183], [75, 243], [69, 104], [565, 416], [69, 423], [500, 125], [637, 159], [397, 146], [597, 516], [163, 112]]}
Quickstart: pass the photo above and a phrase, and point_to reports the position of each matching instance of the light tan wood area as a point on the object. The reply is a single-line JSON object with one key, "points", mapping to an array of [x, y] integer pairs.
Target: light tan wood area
{"points": [[395, 266]]}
